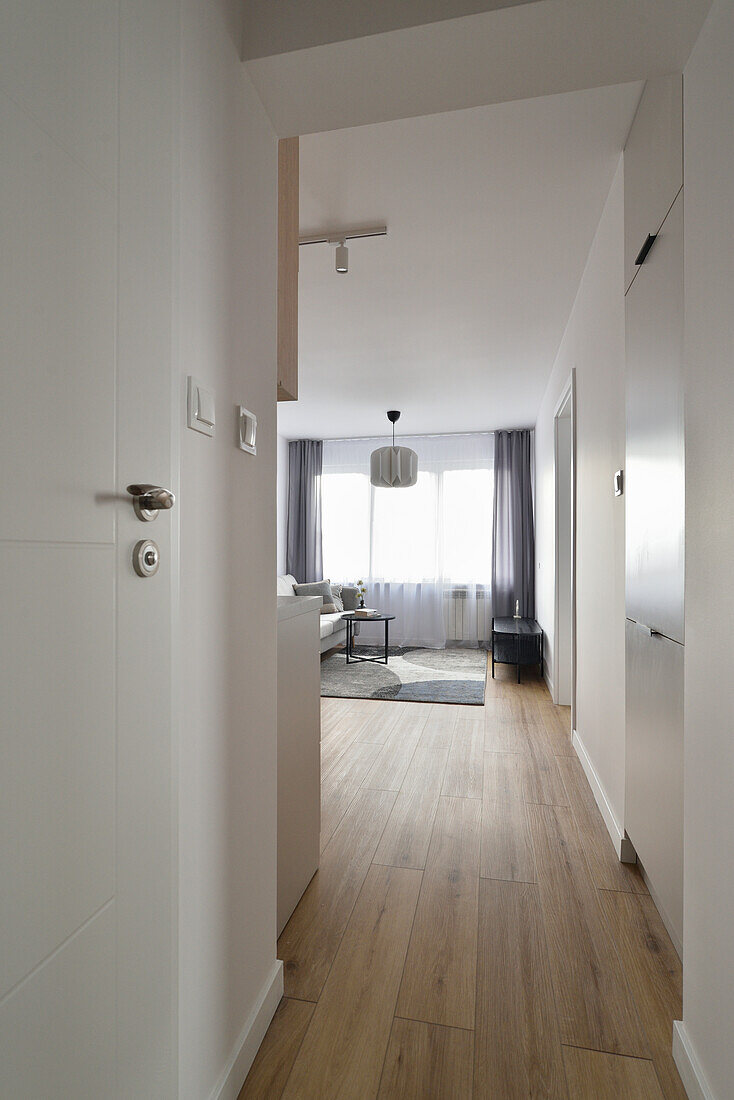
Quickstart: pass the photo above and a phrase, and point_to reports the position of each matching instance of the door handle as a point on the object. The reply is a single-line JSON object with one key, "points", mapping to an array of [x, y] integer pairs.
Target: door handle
{"points": [[149, 500], [642, 254]]}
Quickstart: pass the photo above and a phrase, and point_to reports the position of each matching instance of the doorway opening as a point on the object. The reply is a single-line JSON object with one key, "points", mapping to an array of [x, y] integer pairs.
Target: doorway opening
{"points": [[564, 643]]}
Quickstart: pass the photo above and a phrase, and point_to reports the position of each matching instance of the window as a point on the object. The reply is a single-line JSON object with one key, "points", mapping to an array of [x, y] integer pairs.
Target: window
{"points": [[405, 532], [439, 529], [467, 525], [345, 525]]}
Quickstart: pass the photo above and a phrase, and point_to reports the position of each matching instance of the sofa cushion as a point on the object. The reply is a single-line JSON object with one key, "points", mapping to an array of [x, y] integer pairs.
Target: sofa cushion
{"points": [[286, 585], [316, 588], [331, 624], [350, 597]]}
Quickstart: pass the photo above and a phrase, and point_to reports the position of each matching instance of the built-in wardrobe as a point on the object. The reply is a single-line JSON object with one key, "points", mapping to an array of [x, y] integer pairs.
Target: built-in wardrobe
{"points": [[654, 493]]}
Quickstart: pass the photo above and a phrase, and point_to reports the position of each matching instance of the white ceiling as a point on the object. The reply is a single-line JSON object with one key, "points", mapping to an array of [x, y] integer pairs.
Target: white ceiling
{"points": [[528, 49], [280, 26], [456, 316]]}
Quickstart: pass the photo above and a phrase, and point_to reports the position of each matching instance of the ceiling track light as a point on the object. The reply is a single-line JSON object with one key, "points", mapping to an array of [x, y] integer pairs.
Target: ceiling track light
{"points": [[341, 257], [338, 239]]}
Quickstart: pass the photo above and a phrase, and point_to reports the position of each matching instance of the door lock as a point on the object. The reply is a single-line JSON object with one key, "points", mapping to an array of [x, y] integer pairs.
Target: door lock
{"points": [[146, 558]]}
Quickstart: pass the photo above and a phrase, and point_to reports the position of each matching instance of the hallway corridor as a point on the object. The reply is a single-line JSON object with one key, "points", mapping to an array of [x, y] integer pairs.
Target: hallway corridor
{"points": [[470, 932]]}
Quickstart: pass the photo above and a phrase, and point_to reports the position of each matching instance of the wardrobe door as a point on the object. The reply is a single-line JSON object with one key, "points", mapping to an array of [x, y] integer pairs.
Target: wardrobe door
{"points": [[653, 164], [653, 815], [655, 473]]}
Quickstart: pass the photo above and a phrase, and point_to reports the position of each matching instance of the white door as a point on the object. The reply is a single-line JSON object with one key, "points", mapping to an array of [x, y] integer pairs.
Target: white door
{"points": [[87, 124]]}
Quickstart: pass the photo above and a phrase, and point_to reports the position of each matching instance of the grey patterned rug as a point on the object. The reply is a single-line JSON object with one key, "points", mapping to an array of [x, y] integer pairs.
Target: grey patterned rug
{"points": [[417, 675]]}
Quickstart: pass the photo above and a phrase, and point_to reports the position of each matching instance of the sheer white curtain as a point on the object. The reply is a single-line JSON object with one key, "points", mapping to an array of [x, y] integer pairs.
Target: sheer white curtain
{"points": [[424, 553]]}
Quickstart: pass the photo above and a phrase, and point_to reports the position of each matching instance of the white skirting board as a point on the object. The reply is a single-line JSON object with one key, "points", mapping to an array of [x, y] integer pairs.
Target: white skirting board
{"points": [[689, 1069], [547, 678], [622, 844], [252, 1034]]}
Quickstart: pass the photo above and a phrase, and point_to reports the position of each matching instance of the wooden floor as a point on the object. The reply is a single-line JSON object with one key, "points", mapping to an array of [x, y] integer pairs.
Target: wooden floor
{"points": [[470, 932]]}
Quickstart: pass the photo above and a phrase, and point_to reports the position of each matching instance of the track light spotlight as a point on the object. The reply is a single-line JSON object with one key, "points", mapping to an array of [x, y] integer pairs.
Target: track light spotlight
{"points": [[342, 258]]}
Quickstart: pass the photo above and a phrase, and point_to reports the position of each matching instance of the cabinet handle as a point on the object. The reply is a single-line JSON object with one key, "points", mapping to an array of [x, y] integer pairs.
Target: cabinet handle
{"points": [[642, 254]]}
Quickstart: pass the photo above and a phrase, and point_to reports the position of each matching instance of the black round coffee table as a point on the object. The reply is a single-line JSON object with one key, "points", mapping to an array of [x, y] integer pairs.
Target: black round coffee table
{"points": [[351, 618]]}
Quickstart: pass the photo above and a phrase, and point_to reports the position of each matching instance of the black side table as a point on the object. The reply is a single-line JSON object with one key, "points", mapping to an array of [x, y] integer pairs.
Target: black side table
{"points": [[350, 618], [517, 642]]}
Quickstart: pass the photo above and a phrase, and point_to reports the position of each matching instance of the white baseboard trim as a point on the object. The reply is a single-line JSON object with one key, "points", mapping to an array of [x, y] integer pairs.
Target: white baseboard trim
{"points": [[688, 1065], [547, 678], [238, 1065], [622, 844]]}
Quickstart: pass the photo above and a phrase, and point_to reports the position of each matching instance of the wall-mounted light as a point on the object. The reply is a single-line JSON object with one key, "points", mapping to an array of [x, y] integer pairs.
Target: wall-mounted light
{"points": [[339, 237]]}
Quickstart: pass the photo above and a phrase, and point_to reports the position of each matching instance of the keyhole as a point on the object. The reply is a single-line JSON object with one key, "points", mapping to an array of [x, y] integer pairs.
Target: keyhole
{"points": [[146, 558]]}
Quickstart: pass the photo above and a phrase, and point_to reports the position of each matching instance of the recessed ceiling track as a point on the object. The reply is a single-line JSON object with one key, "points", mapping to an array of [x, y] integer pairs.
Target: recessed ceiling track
{"points": [[333, 236]]}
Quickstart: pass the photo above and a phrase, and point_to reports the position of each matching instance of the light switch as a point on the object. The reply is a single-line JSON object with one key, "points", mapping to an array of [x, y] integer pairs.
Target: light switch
{"points": [[200, 407], [247, 430]]}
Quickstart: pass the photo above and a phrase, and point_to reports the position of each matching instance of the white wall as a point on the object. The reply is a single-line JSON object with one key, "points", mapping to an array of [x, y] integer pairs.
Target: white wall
{"points": [[708, 949], [594, 344], [282, 503], [227, 753]]}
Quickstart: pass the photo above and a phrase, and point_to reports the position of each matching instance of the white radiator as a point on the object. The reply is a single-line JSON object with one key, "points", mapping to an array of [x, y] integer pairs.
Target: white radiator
{"points": [[467, 615]]}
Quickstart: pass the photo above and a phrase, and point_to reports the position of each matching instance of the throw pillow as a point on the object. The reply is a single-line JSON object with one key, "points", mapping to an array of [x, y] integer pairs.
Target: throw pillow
{"points": [[336, 592], [315, 588], [328, 609]]}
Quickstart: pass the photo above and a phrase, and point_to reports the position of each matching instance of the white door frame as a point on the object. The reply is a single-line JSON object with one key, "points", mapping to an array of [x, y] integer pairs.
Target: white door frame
{"points": [[566, 399]]}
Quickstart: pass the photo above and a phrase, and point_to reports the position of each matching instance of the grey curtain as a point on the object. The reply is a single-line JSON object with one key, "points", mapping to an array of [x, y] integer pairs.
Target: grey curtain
{"points": [[513, 535], [303, 547]]}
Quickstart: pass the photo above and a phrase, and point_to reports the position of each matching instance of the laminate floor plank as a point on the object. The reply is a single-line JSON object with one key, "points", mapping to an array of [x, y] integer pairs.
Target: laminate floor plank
{"points": [[389, 768], [309, 941], [552, 727], [593, 1075], [465, 767], [427, 1061], [517, 1051], [439, 981], [507, 844], [505, 735], [595, 1005], [408, 831], [655, 975], [606, 870], [377, 725], [542, 781], [341, 784], [438, 731], [274, 1060], [336, 744], [344, 1048]]}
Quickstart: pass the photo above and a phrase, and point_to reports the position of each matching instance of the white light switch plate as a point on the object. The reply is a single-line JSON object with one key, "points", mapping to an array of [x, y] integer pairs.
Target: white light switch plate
{"points": [[200, 407], [247, 430]]}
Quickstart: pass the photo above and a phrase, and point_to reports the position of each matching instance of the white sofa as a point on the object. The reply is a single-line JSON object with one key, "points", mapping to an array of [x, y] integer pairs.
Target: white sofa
{"points": [[332, 628]]}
